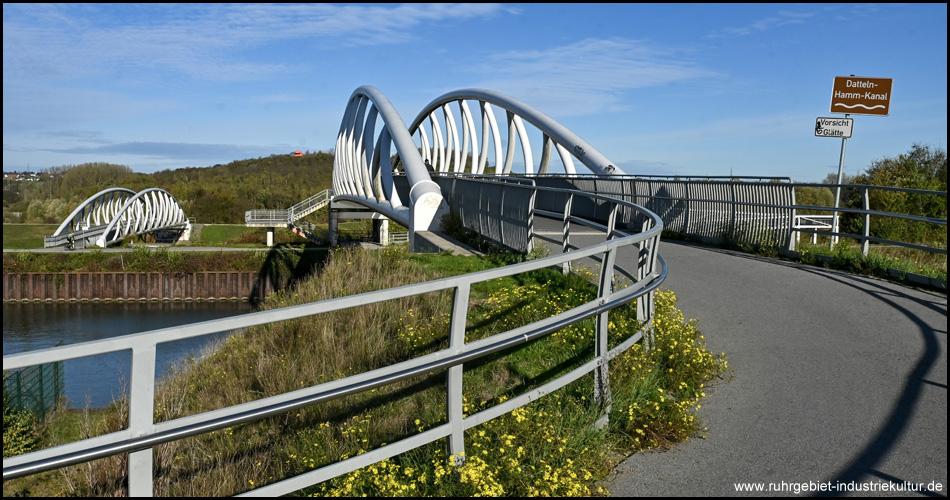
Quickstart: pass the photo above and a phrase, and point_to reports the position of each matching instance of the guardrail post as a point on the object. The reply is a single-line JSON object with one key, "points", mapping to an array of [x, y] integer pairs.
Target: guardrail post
{"points": [[454, 404], [612, 222], [867, 222], [566, 233], [141, 418], [602, 372], [793, 216], [732, 214]]}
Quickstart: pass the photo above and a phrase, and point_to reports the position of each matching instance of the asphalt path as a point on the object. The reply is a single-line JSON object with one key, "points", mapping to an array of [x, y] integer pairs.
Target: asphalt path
{"points": [[836, 381]]}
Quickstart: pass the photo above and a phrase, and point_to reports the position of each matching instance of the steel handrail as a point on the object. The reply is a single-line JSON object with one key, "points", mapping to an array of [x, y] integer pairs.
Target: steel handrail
{"points": [[144, 434]]}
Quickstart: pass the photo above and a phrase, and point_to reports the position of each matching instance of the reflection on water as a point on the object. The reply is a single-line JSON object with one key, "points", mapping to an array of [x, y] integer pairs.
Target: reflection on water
{"points": [[97, 380]]}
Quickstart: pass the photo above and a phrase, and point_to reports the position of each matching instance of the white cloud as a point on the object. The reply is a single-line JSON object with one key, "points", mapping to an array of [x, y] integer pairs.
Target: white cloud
{"points": [[587, 77], [70, 41], [783, 18]]}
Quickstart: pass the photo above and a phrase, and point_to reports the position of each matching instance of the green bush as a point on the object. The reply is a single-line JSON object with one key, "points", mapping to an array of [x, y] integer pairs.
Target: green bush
{"points": [[19, 429]]}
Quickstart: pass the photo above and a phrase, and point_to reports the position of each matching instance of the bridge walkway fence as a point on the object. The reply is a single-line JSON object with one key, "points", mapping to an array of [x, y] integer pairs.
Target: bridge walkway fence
{"points": [[744, 212], [266, 218], [866, 193], [83, 237], [142, 433]]}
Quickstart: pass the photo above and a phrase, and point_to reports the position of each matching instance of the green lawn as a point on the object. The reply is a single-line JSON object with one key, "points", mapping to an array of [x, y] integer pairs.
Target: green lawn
{"points": [[23, 236], [239, 235]]}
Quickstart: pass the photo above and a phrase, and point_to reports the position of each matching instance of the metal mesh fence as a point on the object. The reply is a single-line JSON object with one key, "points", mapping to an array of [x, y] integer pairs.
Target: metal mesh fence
{"points": [[36, 388]]}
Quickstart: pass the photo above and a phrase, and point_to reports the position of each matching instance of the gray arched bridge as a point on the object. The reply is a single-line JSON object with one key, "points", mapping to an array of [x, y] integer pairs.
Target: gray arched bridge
{"points": [[110, 215], [487, 171]]}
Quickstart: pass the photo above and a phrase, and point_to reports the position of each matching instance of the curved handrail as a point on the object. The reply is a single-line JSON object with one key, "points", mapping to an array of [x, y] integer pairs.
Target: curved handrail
{"points": [[142, 433]]}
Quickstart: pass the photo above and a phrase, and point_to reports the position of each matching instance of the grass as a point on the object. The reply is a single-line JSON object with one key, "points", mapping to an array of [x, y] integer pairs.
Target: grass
{"points": [[847, 256], [26, 236], [227, 235], [137, 259], [549, 447]]}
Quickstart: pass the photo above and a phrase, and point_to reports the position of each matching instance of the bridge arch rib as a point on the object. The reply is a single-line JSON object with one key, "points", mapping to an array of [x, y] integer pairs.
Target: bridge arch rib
{"points": [[445, 155], [97, 210], [362, 168]]}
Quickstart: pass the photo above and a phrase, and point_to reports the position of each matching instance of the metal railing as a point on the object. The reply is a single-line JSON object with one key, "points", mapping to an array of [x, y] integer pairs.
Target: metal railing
{"points": [[143, 433], [310, 205], [398, 238], [820, 222], [866, 214], [266, 217], [758, 213], [279, 218]]}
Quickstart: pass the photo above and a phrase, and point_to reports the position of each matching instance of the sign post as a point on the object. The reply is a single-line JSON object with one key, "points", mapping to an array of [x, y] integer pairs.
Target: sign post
{"points": [[853, 95]]}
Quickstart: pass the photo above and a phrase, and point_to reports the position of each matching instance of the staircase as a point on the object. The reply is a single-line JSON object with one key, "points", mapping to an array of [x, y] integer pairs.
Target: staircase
{"points": [[288, 217]]}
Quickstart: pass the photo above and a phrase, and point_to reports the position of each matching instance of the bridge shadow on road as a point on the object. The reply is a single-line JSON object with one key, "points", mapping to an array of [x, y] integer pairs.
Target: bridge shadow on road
{"points": [[898, 435], [869, 461]]}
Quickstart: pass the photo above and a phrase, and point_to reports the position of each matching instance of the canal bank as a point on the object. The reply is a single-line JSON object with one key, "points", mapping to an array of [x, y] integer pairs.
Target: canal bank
{"points": [[136, 287], [163, 274]]}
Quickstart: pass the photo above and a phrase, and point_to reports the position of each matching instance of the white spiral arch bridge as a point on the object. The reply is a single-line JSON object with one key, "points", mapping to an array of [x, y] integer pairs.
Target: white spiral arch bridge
{"points": [[110, 215], [364, 161]]}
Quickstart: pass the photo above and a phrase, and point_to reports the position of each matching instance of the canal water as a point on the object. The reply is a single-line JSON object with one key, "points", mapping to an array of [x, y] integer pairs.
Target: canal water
{"points": [[95, 381]]}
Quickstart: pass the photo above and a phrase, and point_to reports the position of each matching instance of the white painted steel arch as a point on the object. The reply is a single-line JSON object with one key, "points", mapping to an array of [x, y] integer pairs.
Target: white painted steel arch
{"points": [[147, 211], [362, 170], [98, 210], [445, 155]]}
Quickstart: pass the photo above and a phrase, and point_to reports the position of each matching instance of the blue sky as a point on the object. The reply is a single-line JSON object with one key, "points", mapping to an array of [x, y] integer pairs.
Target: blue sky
{"points": [[665, 89]]}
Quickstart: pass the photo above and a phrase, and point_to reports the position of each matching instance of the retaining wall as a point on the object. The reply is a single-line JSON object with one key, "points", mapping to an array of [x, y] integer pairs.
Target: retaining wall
{"points": [[81, 287]]}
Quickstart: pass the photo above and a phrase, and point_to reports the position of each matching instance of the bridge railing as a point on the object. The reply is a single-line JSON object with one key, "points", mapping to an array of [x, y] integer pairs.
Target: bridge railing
{"points": [[757, 211], [309, 205], [82, 237], [866, 215], [266, 217], [805, 221], [143, 433]]}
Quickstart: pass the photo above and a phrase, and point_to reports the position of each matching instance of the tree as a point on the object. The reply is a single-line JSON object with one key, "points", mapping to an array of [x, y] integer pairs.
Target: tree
{"points": [[922, 168]]}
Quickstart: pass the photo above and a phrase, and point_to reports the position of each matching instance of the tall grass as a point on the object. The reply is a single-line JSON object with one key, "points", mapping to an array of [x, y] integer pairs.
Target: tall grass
{"points": [[847, 256], [548, 447]]}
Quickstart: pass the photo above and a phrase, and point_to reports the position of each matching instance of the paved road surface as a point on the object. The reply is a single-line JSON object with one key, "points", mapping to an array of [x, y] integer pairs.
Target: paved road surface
{"points": [[837, 379]]}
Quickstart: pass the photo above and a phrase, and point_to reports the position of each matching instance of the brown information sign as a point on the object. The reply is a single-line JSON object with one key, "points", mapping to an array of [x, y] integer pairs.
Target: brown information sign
{"points": [[858, 95]]}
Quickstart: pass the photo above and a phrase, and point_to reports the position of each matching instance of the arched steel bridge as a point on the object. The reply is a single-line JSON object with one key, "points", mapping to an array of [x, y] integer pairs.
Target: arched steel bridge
{"points": [[364, 162], [110, 215]]}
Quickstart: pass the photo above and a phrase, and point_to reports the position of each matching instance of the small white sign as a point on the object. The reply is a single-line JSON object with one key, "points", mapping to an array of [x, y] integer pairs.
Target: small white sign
{"points": [[834, 127]]}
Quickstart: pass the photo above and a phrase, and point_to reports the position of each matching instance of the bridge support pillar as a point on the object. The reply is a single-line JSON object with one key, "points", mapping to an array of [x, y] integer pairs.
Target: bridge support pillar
{"points": [[334, 229], [270, 236], [381, 231]]}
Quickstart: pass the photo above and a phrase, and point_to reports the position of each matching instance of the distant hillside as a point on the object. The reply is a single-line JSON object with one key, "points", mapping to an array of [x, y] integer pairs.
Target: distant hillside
{"points": [[219, 194]]}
